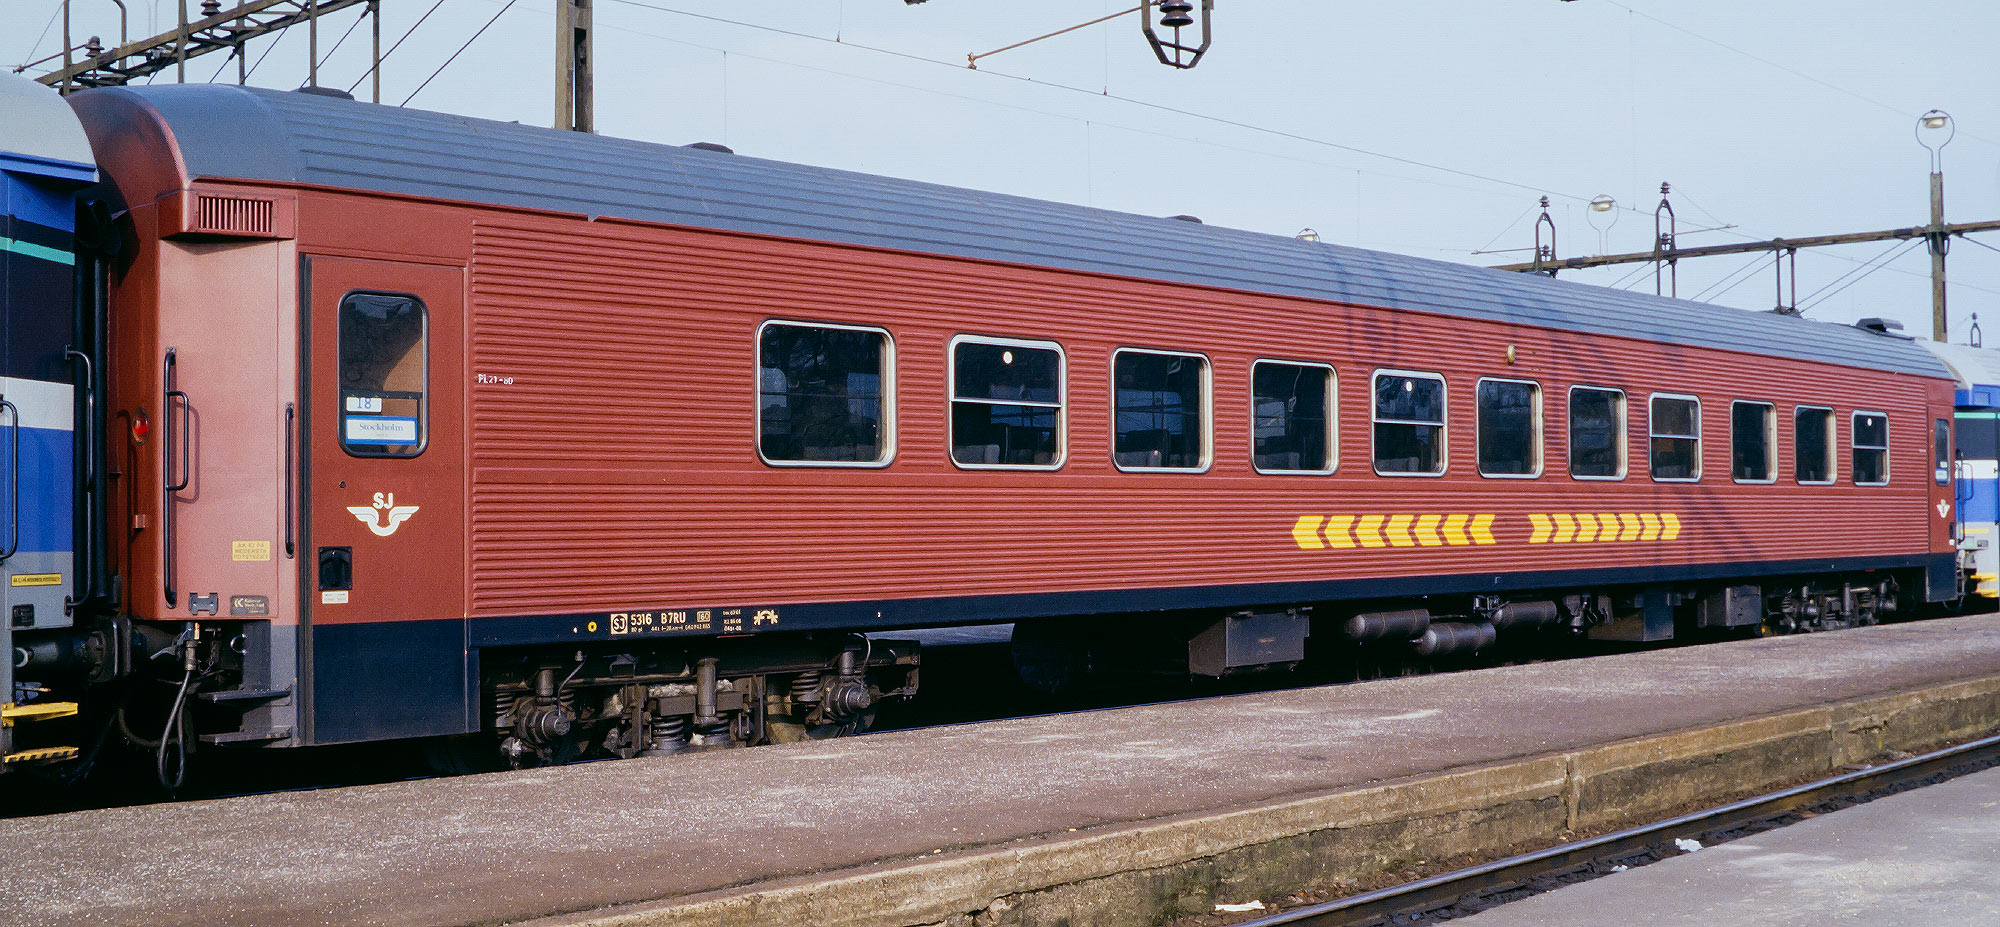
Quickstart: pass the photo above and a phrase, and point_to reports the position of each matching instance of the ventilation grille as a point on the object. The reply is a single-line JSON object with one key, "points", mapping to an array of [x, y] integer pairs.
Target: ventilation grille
{"points": [[234, 215]]}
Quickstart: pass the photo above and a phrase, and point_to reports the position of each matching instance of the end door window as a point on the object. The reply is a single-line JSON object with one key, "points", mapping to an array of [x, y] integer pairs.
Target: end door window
{"points": [[383, 373]]}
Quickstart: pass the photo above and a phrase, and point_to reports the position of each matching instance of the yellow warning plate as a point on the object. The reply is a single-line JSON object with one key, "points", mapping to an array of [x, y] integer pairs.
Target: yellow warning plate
{"points": [[37, 579], [250, 551]]}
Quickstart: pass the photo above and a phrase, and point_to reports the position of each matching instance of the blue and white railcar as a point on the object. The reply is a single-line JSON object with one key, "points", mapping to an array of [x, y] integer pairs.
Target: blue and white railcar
{"points": [[44, 160], [1977, 436]]}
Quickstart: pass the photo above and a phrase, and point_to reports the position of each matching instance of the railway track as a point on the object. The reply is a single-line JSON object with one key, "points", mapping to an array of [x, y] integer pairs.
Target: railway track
{"points": [[1478, 888]]}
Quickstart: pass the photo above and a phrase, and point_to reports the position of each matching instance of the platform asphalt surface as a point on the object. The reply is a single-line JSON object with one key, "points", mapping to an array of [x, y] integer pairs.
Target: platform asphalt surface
{"points": [[1927, 857], [481, 849]]}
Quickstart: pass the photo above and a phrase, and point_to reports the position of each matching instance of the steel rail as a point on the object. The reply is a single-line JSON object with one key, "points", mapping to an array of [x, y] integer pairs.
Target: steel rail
{"points": [[1444, 890]]}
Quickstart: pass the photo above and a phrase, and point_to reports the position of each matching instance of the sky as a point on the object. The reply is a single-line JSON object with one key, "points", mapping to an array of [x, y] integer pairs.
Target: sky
{"points": [[1424, 127]]}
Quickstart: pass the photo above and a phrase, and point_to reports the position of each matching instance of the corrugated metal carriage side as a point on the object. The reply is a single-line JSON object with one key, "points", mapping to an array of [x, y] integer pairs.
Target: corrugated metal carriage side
{"points": [[491, 398]]}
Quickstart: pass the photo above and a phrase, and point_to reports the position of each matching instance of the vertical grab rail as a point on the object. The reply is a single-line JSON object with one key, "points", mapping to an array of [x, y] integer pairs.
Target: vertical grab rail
{"points": [[291, 415], [169, 560], [14, 477], [85, 580]]}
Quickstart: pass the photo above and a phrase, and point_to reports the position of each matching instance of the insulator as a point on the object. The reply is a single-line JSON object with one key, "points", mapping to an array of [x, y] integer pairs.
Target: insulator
{"points": [[210, 8], [1176, 13]]}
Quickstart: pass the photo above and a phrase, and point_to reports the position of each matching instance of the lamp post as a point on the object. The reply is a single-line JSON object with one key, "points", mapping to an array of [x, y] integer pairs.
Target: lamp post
{"points": [[1603, 205], [1934, 131]]}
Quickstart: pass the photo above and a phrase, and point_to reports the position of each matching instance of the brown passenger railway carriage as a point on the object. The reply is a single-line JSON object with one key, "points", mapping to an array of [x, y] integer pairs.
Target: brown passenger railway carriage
{"points": [[434, 406]]}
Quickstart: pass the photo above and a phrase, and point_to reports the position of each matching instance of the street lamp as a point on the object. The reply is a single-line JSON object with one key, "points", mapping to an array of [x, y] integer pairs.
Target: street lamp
{"points": [[1602, 205], [1934, 131]]}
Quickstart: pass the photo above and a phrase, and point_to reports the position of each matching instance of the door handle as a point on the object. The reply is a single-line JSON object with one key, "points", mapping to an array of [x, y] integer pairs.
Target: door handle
{"points": [[13, 477], [169, 556]]}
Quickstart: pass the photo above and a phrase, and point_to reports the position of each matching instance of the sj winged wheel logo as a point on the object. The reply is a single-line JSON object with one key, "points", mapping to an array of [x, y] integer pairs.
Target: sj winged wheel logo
{"points": [[384, 516]]}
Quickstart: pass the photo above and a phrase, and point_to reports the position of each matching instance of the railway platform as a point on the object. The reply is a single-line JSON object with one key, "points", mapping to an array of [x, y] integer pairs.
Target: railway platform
{"points": [[1126, 816], [1922, 857]]}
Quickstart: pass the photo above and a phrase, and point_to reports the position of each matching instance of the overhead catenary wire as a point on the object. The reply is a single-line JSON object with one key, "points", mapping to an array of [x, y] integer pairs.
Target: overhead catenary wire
{"points": [[32, 49], [1133, 101], [1979, 243], [1865, 271], [1795, 72], [1755, 260], [454, 55], [397, 44], [1265, 152]]}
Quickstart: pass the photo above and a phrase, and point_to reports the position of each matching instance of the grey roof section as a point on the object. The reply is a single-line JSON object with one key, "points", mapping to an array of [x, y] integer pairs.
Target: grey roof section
{"points": [[37, 123], [1970, 366], [248, 133]]}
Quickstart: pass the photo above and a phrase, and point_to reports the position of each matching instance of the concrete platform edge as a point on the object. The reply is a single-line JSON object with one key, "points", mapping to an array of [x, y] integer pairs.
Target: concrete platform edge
{"points": [[1145, 872]]}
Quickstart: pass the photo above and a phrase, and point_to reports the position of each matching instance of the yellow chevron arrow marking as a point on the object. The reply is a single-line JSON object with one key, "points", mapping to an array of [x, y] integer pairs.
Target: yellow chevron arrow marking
{"points": [[1632, 526], [1586, 527], [1454, 530], [1543, 528], [1367, 531], [1336, 531], [1427, 534], [1607, 527], [1480, 534], [1565, 528], [1652, 522], [1306, 532], [1399, 530], [1670, 526]]}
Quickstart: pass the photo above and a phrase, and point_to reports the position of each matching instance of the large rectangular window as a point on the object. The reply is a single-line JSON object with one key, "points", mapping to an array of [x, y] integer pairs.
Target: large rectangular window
{"points": [[383, 370], [1978, 434], [1753, 432], [1812, 444], [1291, 417], [1006, 403], [1596, 433], [1409, 423], [1871, 449], [1674, 427], [824, 395], [1509, 428], [1161, 410]]}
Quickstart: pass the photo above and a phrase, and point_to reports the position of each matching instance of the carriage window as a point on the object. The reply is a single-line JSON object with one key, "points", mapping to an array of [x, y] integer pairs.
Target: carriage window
{"points": [[1596, 433], [1409, 423], [382, 375], [1291, 409], [1162, 410], [1871, 449], [1675, 429], [1752, 432], [1941, 439], [1006, 403], [823, 395], [1978, 434], [1510, 428], [1812, 445]]}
